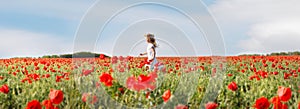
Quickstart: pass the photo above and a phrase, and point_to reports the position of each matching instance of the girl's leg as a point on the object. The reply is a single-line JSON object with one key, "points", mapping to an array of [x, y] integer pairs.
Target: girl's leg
{"points": [[152, 65]]}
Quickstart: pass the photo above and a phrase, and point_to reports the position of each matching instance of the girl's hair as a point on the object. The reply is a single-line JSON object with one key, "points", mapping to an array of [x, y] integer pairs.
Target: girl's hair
{"points": [[151, 39]]}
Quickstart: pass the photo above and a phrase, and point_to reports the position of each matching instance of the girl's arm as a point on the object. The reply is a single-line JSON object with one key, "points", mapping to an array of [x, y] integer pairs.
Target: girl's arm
{"points": [[141, 54]]}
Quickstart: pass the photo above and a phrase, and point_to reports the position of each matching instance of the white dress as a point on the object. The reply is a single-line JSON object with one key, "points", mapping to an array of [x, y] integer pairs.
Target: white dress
{"points": [[151, 55]]}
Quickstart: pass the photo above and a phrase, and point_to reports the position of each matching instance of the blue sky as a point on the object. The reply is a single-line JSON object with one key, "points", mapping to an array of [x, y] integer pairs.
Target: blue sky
{"points": [[36, 28]]}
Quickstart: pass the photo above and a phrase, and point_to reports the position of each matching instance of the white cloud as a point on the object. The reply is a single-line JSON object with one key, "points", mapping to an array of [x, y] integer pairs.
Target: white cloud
{"points": [[255, 10], [273, 25], [15, 43], [274, 36]]}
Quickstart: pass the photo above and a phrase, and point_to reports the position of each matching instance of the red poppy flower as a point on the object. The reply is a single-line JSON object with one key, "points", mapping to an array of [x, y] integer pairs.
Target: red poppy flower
{"points": [[166, 96], [56, 96], [232, 86], [121, 90], [121, 58], [138, 87], [87, 96], [284, 93], [202, 68], [243, 71], [86, 72], [130, 82], [284, 106], [4, 89], [48, 104], [142, 83], [181, 106], [35, 64], [36, 77], [114, 59], [34, 104], [94, 100], [262, 103], [143, 78], [286, 76], [58, 78], [46, 76], [263, 74], [276, 102], [295, 75], [214, 71], [148, 94], [129, 58], [106, 79], [101, 56], [211, 105], [122, 69], [84, 97]]}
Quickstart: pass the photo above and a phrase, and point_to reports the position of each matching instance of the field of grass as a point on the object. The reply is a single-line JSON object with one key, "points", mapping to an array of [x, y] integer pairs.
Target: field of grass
{"points": [[240, 82]]}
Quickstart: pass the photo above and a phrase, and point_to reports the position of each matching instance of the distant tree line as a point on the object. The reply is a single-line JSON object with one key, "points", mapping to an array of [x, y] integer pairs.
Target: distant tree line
{"points": [[251, 55], [75, 55], [51, 56], [275, 54], [285, 53]]}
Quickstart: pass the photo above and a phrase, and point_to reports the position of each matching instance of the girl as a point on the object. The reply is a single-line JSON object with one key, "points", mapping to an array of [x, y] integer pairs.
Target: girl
{"points": [[151, 53]]}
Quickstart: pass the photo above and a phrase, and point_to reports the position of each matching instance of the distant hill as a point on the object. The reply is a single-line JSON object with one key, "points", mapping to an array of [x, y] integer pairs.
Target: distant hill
{"points": [[75, 55]]}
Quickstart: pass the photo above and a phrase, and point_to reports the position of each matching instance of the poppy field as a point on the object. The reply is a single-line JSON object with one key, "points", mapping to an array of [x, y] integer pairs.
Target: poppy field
{"points": [[247, 82]]}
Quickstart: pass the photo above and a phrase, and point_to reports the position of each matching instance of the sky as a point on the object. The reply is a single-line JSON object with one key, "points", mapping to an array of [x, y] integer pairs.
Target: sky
{"points": [[35, 28]]}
